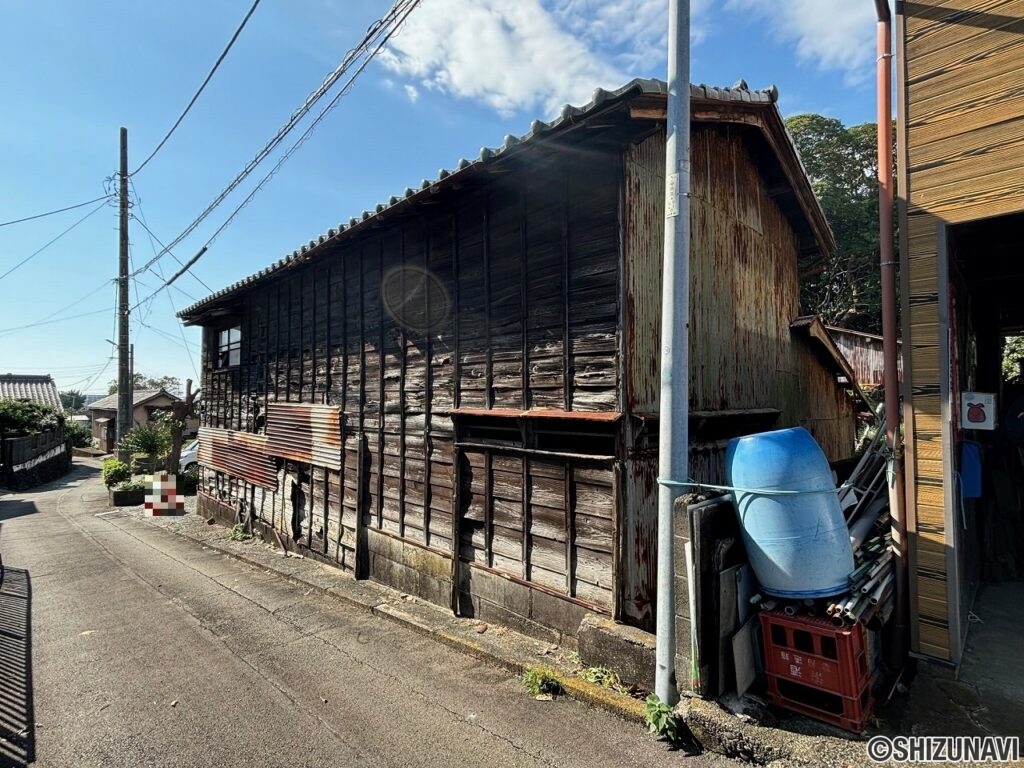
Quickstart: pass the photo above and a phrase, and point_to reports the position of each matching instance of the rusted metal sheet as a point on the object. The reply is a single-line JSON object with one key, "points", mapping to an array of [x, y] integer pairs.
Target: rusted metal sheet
{"points": [[304, 432], [864, 353], [238, 454]]}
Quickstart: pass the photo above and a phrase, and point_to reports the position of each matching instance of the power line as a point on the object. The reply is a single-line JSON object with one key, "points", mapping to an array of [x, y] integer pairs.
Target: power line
{"points": [[51, 322], [59, 210], [58, 237], [375, 29], [312, 126], [65, 308], [153, 237], [95, 378], [216, 64], [405, 7]]}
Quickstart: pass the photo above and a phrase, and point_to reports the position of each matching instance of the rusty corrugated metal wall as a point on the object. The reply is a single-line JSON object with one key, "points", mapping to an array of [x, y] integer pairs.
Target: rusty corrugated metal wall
{"points": [[864, 353]]}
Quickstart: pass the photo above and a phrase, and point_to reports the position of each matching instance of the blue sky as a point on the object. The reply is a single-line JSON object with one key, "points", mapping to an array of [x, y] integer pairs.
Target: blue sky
{"points": [[460, 75]]}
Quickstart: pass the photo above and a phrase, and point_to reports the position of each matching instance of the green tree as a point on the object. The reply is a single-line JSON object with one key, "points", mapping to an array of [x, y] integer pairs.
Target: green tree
{"points": [[72, 399], [153, 440], [842, 164], [1013, 355], [140, 381]]}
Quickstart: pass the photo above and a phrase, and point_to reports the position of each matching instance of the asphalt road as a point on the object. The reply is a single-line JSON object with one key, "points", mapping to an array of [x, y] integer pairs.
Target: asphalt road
{"points": [[124, 645]]}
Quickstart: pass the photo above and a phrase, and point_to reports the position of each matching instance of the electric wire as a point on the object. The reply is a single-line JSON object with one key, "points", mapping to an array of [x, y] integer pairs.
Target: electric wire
{"points": [[104, 198], [406, 7], [66, 307], [51, 242], [312, 126], [141, 218], [209, 76], [353, 55], [95, 378], [51, 322]]}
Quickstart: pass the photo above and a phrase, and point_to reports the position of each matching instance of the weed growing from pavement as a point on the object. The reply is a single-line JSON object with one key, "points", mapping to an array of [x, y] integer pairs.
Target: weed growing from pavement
{"points": [[661, 720], [540, 681], [238, 533], [604, 677]]}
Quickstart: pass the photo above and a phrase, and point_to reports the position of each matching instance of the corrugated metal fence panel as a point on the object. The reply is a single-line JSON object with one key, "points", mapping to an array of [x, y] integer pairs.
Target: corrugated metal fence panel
{"points": [[239, 454], [304, 432]]}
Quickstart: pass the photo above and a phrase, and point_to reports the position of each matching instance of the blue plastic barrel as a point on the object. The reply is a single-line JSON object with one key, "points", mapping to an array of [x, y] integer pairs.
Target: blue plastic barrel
{"points": [[798, 545]]}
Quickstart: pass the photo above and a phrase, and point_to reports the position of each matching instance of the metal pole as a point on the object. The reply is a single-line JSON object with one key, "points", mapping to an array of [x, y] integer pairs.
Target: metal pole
{"points": [[890, 330], [124, 382], [673, 441]]}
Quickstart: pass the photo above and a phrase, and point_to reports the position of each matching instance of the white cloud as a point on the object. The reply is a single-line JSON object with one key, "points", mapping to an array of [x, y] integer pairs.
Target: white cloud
{"points": [[508, 55], [634, 32], [534, 55], [831, 34], [412, 92]]}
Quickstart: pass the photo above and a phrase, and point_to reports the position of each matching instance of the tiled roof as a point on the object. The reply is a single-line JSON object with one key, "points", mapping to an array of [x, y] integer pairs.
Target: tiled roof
{"points": [[569, 115], [109, 403], [36, 389]]}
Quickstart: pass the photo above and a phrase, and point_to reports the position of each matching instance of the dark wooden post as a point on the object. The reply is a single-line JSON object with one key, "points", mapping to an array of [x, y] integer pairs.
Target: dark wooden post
{"points": [[179, 413]]}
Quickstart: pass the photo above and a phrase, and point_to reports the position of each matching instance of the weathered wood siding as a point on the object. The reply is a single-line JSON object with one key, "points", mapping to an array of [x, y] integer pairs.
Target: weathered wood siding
{"points": [[744, 294], [495, 301], [962, 126], [744, 290]]}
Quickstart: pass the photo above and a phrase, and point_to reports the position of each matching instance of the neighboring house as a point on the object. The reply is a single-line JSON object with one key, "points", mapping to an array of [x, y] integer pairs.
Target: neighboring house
{"points": [[864, 353], [32, 388], [960, 139], [457, 393], [145, 403]]}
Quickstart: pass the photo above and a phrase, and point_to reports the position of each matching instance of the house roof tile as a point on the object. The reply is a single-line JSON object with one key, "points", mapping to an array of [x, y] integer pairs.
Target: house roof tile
{"points": [[34, 388]]}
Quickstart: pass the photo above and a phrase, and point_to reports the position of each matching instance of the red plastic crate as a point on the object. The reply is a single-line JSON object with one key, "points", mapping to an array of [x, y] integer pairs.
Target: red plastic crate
{"points": [[818, 669]]}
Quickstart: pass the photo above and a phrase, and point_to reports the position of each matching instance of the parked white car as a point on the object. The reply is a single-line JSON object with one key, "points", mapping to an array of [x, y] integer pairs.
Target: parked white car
{"points": [[189, 457]]}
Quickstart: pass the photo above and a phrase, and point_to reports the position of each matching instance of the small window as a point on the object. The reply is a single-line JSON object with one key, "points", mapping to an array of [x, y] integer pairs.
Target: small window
{"points": [[229, 347]]}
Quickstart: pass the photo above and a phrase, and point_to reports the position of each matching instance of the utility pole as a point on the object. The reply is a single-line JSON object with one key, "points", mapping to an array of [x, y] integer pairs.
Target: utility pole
{"points": [[673, 441], [124, 376]]}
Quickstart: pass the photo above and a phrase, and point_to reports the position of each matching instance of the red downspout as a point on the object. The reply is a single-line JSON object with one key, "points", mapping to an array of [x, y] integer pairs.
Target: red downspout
{"points": [[890, 332]]}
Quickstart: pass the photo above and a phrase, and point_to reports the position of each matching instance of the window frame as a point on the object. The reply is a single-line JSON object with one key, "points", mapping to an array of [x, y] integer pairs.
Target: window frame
{"points": [[227, 348]]}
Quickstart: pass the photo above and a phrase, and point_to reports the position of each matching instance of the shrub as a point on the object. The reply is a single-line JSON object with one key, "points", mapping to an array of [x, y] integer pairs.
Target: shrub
{"points": [[153, 440], [115, 472], [20, 417], [133, 485], [78, 435]]}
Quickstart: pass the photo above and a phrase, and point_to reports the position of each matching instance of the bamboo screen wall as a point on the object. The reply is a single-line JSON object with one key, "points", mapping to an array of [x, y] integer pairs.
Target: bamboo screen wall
{"points": [[963, 131]]}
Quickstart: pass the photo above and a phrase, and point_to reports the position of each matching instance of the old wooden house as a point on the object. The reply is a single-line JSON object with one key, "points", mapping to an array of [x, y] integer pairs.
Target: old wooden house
{"points": [[960, 135], [457, 393]]}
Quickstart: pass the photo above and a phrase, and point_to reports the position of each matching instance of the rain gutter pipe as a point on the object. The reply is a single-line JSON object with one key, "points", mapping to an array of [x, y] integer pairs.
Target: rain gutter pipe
{"points": [[897, 499], [673, 440]]}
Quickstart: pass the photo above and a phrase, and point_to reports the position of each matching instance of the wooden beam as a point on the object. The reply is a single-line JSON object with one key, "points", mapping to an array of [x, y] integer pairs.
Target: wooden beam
{"points": [[648, 113]]}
